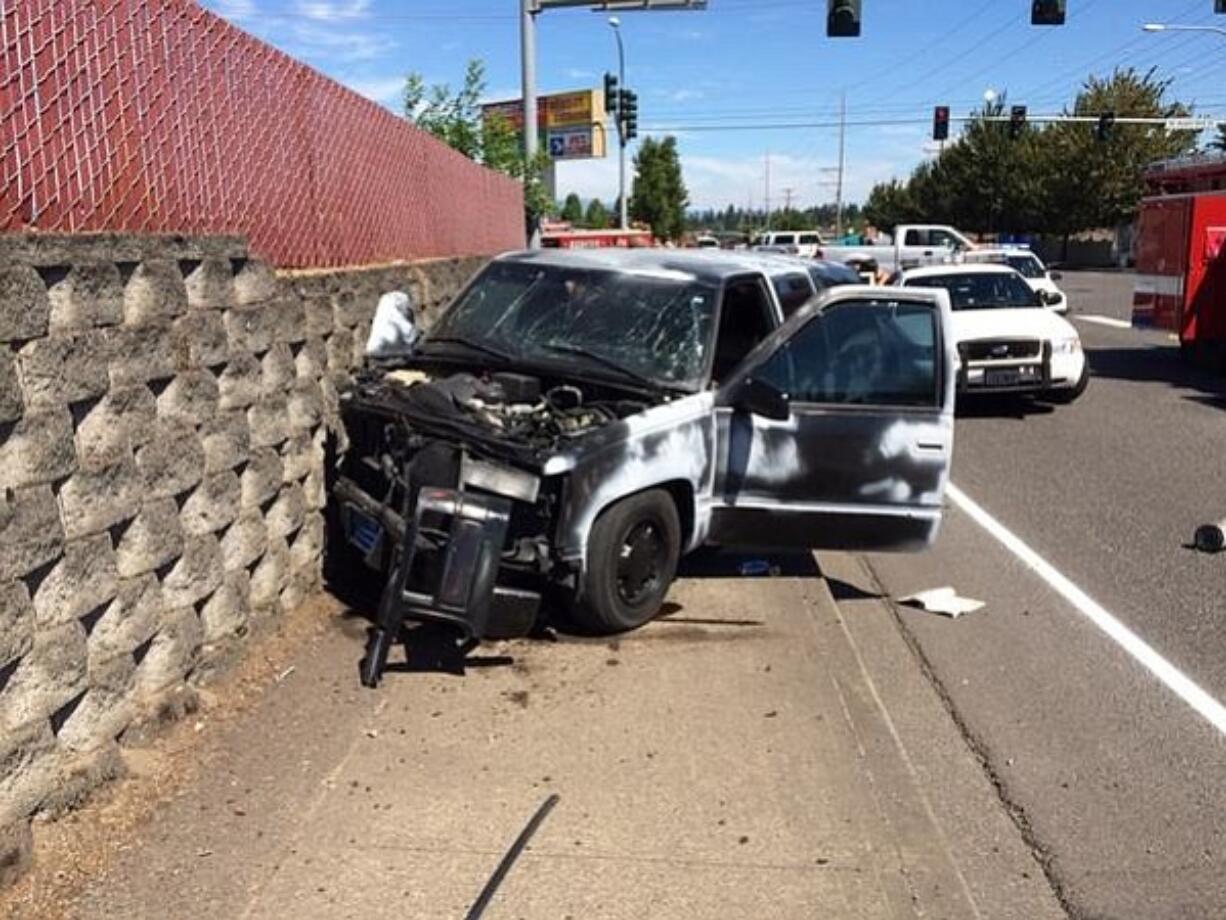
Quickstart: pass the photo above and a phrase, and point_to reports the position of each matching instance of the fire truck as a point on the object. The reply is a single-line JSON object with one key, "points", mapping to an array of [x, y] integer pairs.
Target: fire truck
{"points": [[561, 235], [1181, 256]]}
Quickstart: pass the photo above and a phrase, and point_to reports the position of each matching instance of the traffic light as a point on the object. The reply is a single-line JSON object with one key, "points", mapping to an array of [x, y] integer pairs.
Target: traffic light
{"points": [[610, 93], [843, 19], [940, 123], [1048, 12], [1017, 121], [1106, 123], [630, 113]]}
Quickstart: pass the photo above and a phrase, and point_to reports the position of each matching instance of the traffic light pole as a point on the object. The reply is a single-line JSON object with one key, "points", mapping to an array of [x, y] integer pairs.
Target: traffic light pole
{"points": [[527, 41], [624, 216]]}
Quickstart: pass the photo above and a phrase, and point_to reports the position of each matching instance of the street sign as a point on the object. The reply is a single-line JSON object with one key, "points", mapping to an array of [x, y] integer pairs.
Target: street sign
{"points": [[1199, 123], [572, 124]]}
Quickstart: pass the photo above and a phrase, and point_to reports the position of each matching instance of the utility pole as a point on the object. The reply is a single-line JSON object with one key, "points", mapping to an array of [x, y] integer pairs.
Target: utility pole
{"points": [[838, 195], [527, 55], [768, 190], [787, 198]]}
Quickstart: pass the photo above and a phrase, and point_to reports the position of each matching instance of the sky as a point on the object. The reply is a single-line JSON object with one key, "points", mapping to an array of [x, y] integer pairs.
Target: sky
{"points": [[724, 79]]}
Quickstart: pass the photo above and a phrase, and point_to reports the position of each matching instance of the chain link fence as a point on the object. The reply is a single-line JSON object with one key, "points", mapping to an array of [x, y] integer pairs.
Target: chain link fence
{"points": [[129, 115]]}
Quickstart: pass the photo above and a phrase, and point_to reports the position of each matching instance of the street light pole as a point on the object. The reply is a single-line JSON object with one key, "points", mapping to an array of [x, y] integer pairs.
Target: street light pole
{"points": [[527, 41], [1165, 27], [615, 23]]}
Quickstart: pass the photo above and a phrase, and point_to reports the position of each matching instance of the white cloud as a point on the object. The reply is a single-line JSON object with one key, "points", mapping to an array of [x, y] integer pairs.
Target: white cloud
{"points": [[384, 90], [578, 73], [317, 39], [326, 11], [681, 95], [235, 10]]}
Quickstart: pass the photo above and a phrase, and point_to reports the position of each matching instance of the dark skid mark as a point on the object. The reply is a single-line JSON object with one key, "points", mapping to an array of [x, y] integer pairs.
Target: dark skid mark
{"points": [[661, 633]]}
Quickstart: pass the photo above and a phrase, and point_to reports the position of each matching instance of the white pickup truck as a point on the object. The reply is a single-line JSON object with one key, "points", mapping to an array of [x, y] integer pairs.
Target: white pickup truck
{"points": [[911, 246]]}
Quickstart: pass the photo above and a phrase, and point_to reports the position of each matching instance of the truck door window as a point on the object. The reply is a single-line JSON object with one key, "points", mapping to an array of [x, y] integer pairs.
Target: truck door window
{"points": [[868, 352], [945, 238], [785, 239], [794, 292], [745, 320], [810, 239], [916, 238]]}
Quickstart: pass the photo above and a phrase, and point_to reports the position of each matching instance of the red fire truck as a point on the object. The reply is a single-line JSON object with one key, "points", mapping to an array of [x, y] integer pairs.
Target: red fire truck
{"points": [[1181, 256], [561, 235]]}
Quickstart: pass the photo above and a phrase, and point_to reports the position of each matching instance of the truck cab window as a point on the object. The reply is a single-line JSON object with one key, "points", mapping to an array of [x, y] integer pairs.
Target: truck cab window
{"points": [[745, 320], [794, 292], [916, 238]]}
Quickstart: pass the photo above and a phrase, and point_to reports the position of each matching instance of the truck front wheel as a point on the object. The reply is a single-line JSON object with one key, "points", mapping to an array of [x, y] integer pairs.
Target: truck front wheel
{"points": [[632, 559]]}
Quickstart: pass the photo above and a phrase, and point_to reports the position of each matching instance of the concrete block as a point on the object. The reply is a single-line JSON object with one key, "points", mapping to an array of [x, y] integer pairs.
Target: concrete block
{"points": [[85, 578], [213, 505], [79, 774], [209, 283], [299, 586], [317, 317], [192, 396], [286, 514], [143, 353], [48, 677], [261, 480], [64, 368], [300, 453], [31, 535], [255, 282], [173, 460], [306, 550], [240, 383], [312, 359], [278, 371], [28, 762], [129, 621], [361, 335], [313, 491], [306, 406], [225, 614], [226, 439], [200, 339], [16, 621], [16, 851], [11, 405], [106, 709], [244, 541], [38, 449], [250, 329], [268, 420], [350, 309], [340, 351], [271, 575], [174, 653], [152, 541], [155, 291], [288, 319], [111, 428], [196, 574], [92, 501], [24, 308], [88, 294]]}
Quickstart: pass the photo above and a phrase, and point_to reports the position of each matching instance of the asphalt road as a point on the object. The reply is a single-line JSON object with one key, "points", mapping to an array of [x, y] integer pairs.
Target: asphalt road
{"points": [[1119, 784]]}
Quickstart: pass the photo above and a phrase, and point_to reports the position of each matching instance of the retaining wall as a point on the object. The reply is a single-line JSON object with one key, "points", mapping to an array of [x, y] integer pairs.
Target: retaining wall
{"points": [[163, 408]]}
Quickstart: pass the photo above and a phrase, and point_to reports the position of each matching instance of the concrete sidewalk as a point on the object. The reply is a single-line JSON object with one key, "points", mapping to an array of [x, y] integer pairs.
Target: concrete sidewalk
{"points": [[758, 752]]}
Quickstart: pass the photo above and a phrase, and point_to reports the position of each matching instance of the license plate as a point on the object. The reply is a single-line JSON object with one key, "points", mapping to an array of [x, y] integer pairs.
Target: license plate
{"points": [[364, 531], [1009, 378]]}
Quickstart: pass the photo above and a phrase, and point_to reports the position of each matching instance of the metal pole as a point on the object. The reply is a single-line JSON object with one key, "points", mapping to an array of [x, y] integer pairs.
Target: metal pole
{"points": [[621, 131], [768, 190], [838, 199], [527, 40]]}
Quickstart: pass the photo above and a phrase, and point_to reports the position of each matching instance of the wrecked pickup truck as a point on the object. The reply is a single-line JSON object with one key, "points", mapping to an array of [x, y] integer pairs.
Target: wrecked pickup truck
{"points": [[576, 421]]}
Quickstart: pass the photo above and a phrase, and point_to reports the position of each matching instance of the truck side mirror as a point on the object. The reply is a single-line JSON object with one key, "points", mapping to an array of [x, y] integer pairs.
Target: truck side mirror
{"points": [[758, 397], [1056, 276]]}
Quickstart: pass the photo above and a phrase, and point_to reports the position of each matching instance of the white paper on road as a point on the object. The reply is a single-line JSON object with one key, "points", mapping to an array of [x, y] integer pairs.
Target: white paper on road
{"points": [[944, 601]]}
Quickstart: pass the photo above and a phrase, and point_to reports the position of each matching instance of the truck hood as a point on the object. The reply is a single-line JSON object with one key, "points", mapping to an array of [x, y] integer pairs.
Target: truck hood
{"points": [[1026, 323]]}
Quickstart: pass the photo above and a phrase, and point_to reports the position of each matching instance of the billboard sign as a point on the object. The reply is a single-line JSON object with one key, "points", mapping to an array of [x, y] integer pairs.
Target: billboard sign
{"points": [[571, 125]]}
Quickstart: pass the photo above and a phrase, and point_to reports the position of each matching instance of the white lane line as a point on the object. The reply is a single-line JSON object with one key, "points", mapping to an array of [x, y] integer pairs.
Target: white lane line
{"points": [[1134, 645], [1103, 320]]}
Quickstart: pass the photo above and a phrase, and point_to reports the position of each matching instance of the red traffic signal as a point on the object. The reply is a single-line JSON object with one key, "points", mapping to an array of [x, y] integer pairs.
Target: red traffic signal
{"points": [[940, 123]]}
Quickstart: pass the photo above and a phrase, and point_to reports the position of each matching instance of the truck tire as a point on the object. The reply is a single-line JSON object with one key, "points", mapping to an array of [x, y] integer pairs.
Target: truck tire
{"points": [[632, 556], [1066, 396]]}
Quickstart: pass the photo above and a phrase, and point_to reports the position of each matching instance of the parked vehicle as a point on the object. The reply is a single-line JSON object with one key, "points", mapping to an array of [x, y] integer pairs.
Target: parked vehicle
{"points": [[910, 245], [706, 242], [1181, 255], [797, 281], [1030, 267], [806, 242], [1006, 341], [576, 421]]}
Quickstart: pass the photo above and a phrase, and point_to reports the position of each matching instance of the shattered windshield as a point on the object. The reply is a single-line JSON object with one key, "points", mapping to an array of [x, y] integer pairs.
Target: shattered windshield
{"points": [[654, 327]]}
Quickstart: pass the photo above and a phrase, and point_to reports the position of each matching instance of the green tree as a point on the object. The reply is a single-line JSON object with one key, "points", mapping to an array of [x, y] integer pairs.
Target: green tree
{"points": [[572, 210], [455, 118], [658, 196], [597, 215], [890, 204]]}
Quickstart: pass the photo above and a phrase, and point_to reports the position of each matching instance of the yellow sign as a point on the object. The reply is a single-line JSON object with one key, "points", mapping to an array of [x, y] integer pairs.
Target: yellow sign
{"points": [[572, 125], [567, 110]]}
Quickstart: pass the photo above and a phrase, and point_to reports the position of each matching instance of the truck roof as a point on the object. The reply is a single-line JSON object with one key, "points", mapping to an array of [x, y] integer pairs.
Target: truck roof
{"points": [[710, 266]]}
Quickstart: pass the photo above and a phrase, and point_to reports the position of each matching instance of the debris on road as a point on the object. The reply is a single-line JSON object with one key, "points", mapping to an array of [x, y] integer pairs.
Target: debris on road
{"points": [[759, 567], [284, 674], [944, 601], [1211, 538]]}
